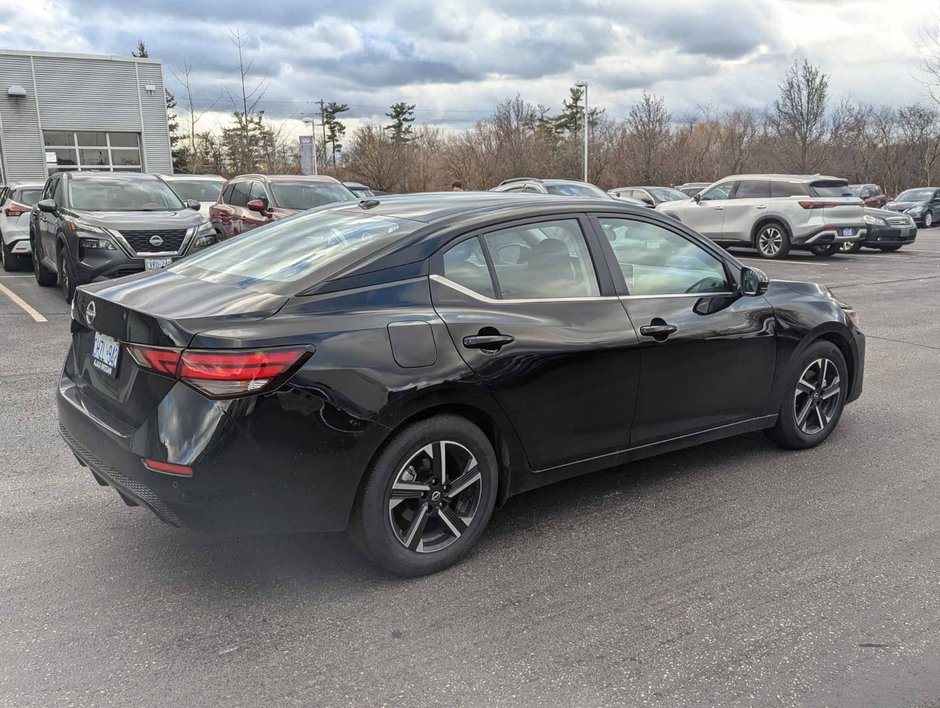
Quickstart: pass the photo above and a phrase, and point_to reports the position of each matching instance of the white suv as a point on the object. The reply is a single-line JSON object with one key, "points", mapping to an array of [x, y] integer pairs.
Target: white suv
{"points": [[16, 201], [775, 213]]}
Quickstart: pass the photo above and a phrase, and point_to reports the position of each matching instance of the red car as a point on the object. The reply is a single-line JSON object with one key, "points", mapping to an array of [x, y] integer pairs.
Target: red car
{"points": [[871, 194], [247, 201]]}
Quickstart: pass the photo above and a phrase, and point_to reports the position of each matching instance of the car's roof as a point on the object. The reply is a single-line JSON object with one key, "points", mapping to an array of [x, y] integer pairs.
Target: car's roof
{"points": [[130, 176], [323, 179], [20, 185], [355, 184], [179, 176], [784, 178], [645, 186]]}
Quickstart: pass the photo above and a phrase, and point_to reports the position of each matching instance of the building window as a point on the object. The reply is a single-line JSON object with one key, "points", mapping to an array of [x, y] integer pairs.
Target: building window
{"points": [[88, 150]]}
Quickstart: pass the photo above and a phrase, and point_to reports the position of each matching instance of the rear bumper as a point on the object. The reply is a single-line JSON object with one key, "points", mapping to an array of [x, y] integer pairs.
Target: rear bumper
{"points": [[829, 234], [259, 465]]}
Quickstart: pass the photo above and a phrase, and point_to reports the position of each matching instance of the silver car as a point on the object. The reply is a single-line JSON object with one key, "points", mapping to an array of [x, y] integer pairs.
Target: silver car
{"points": [[16, 201], [775, 213], [204, 189]]}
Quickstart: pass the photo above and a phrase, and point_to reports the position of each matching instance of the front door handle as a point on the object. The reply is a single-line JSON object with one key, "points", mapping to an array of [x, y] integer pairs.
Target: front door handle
{"points": [[761, 206], [487, 341], [658, 331], [719, 208]]}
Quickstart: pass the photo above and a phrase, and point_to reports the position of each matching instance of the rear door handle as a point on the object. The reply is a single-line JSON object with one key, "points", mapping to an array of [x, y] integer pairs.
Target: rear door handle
{"points": [[658, 330], [487, 341], [761, 206], [719, 208]]}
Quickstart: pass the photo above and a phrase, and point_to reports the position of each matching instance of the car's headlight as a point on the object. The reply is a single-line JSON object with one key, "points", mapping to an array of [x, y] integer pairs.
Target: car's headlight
{"points": [[874, 220], [97, 244], [916, 210], [204, 236]]}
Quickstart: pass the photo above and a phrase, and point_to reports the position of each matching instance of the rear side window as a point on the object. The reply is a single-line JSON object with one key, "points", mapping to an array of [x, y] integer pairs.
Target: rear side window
{"points": [[313, 245], [544, 260], [830, 188], [465, 264], [788, 189], [752, 189]]}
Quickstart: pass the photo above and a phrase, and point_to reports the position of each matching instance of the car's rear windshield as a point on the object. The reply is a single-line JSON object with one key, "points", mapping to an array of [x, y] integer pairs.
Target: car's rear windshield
{"points": [[831, 188], [202, 190], [27, 196], [577, 190], [664, 194], [915, 195], [115, 194], [307, 195], [312, 246]]}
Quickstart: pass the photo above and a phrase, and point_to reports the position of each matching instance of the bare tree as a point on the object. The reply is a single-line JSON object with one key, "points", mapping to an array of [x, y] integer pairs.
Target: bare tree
{"points": [[648, 127], [193, 115], [799, 114]]}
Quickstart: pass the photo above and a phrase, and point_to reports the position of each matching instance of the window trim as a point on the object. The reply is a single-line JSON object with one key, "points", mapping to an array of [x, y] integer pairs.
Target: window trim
{"points": [[731, 267], [599, 259]]}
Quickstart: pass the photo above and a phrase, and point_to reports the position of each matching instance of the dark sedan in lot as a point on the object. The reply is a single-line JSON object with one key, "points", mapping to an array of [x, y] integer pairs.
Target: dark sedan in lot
{"points": [[91, 226], [885, 230], [921, 204], [402, 366]]}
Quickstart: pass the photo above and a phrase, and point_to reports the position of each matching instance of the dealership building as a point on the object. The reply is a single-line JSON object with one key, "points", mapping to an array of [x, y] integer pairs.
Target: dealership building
{"points": [[71, 111]]}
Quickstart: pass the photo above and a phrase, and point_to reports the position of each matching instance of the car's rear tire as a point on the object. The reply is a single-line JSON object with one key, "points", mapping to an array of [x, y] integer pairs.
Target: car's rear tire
{"points": [[888, 249], [772, 241], [825, 251], [44, 276], [851, 246], [814, 397], [66, 277], [427, 497], [11, 261]]}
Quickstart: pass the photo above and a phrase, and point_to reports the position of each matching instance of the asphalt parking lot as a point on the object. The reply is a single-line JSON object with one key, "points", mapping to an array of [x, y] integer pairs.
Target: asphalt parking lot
{"points": [[732, 574]]}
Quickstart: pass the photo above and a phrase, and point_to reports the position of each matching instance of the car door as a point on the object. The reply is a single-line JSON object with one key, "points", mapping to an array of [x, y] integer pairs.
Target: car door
{"points": [[239, 204], [706, 214], [252, 219], [47, 222], [934, 206], [708, 354], [543, 330], [749, 201]]}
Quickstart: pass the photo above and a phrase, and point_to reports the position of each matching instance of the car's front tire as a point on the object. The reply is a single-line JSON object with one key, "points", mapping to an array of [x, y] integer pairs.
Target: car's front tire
{"points": [[928, 219], [825, 251], [814, 397], [428, 497], [772, 241], [66, 277]]}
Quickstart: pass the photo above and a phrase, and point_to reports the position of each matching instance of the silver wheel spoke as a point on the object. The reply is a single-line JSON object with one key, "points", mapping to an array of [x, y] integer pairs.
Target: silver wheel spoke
{"points": [[415, 531], [833, 389], [802, 415], [452, 521], [820, 417], [469, 477], [805, 387]]}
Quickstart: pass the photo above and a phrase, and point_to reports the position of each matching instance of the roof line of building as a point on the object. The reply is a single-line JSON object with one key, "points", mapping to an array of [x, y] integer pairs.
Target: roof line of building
{"points": [[70, 55]]}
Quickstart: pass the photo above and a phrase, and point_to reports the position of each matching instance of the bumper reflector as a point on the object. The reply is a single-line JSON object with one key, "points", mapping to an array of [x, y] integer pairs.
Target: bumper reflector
{"points": [[168, 468]]}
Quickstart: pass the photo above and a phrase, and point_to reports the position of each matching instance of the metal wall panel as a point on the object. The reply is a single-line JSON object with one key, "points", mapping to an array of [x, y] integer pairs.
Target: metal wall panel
{"points": [[20, 139], [153, 107]]}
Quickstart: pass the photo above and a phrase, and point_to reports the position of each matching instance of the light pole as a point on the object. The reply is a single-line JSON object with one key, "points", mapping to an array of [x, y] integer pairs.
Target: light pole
{"points": [[313, 140], [584, 85]]}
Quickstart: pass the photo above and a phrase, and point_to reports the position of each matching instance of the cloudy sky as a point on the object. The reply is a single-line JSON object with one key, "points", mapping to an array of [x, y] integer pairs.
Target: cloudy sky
{"points": [[457, 59]]}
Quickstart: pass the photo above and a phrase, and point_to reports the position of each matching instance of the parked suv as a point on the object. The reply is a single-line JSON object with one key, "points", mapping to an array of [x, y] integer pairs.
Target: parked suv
{"points": [[649, 196], [775, 213], [871, 194], [204, 189], [249, 201], [16, 201], [96, 225], [561, 187]]}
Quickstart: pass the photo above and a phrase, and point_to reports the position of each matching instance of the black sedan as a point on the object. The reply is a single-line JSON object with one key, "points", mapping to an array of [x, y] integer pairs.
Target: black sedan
{"points": [[884, 231], [402, 366], [921, 204]]}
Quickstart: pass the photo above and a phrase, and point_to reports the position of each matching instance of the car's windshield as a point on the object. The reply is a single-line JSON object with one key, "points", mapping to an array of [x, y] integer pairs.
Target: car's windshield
{"points": [[360, 190], [831, 189], [307, 195], [116, 194], [202, 190], [915, 195], [27, 195], [664, 194], [314, 244], [577, 190]]}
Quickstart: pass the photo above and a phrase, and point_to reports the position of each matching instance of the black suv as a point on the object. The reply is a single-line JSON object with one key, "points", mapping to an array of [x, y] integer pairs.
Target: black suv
{"points": [[96, 225]]}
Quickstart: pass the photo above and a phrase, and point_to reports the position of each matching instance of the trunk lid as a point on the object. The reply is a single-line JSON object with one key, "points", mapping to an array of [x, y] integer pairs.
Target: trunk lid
{"points": [[843, 207]]}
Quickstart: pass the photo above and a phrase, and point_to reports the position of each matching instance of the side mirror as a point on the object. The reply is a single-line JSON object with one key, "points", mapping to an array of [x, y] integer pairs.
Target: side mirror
{"points": [[648, 202], [258, 205], [192, 204], [753, 281], [47, 205], [697, 198]]}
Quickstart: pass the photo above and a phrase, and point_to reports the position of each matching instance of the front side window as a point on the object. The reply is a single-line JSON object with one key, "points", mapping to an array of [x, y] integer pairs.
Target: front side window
{"points": [[106, 193], [239, 196], [656, 261], [752, 189], [300, 196], [719, 191], [318, 244], [257, 192], [548, 259], [465, 265]]}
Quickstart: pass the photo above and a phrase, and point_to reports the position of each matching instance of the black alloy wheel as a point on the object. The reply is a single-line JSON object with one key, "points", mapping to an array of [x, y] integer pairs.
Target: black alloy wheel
{"points": [[814, 399], [66, 279], [427, 497]]}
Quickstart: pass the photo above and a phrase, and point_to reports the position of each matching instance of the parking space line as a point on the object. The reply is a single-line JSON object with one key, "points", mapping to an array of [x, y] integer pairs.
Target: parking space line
{"points": [[27, 308]]}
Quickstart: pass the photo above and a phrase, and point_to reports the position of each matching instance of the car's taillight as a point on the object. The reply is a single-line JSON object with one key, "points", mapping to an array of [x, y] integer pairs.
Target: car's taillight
{"points": [[219, 373], [818, 204], [17, 209], [168, 468], [230, 373]]}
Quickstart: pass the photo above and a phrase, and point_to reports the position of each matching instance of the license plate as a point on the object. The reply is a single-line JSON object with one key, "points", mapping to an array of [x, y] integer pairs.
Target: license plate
{"points": [[156, 263], [104, 356], [848, 232]]}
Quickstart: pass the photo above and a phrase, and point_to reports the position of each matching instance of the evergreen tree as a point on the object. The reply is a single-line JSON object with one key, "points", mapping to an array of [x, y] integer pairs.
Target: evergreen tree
{"points": [[402, 115], [335, 130]]}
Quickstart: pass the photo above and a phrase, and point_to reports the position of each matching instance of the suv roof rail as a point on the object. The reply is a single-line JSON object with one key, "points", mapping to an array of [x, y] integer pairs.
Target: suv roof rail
{"points": [[519, 179]]}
